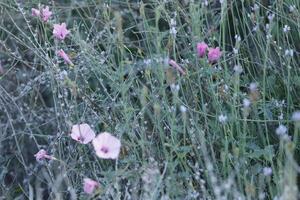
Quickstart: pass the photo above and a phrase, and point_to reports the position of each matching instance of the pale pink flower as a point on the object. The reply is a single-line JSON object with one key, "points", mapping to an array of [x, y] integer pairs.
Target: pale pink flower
{"points": [[89, 185], [35, 12], [82, 133], [201, 49], [107, 146], [42, 154], [46, 14], [60, 31], [176, 66], [214, 54], [65, 56]]}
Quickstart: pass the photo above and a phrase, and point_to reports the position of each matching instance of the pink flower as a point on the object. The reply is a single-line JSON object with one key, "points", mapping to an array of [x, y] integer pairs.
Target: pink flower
{"points": [[60, 31], [42, 154], [201, 49], [89, 185], [35, 12], [214, 54], [63, 55], [46, 14], [176, 66], [107, 146], [82, 133]]}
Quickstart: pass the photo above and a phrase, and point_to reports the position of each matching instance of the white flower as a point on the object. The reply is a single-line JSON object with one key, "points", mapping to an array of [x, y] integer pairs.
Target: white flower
{"points": [[237, 38], [253, 87], [246, 103], [296, 116], [174, 87], [267, 171], [235, 51], [183, 109], [255, 7], [173, 22], [222, 119], [292, 8], [173, 31], [286, 28], [271, 17], [238, 69], [289, 52], [281, 130]]}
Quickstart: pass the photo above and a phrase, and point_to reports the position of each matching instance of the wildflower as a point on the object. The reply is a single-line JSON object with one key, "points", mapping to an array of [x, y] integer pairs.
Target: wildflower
{"points": [[60, 31], [201, 49], [89, 185], [107, 146], [42, 154], [82, 133], [292, 8], [63, 55], [173, 22], [286, 28], [289, 52], [246, 103], [238, 69], [271, 17], [267, 171], [237, 38], [255, 7], [183, 109], [281, 130], [35, 12], [296, 116], [235, 50], [222, 119], [253, 87], [214, 54], [176, 66], [174, 87], [46, 14], [173, 31]]}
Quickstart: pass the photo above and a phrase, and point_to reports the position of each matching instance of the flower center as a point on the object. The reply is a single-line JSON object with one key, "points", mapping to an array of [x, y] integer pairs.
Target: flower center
{"points": [[104, 149], [80, 138]]}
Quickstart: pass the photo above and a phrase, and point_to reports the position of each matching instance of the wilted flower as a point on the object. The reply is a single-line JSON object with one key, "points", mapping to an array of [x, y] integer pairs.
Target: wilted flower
{"points": [[63, 55], [176, 66], [35, 12], [82, 133], [46, 14], [107, 146], [42, 154], [201, 49], [60, 31], [89, 185], [214, 54]]}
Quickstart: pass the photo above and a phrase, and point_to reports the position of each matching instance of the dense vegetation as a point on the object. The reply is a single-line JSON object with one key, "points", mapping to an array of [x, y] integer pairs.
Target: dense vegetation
{"points": [[190, 126]]}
